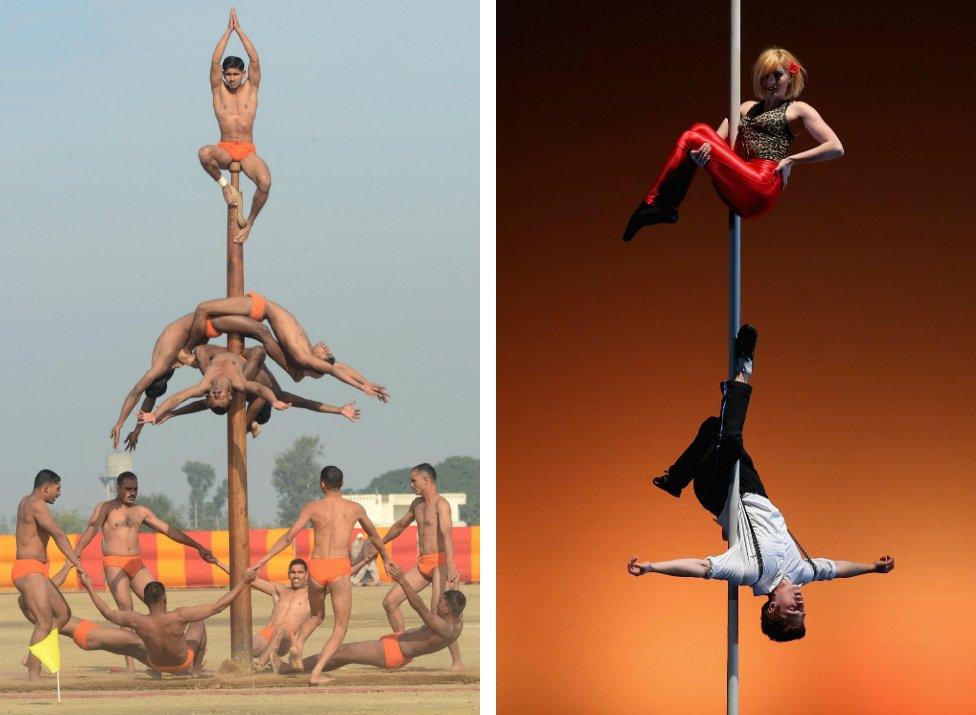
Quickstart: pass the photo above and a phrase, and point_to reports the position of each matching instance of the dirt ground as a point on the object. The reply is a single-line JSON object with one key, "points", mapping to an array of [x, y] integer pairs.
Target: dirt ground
{"points": [[88, 685]]}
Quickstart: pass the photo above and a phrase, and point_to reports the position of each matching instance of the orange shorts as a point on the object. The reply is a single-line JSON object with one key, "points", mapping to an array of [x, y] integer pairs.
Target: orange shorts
{"points": [[212, 332], [258, 303], [22, 567], [130, 564], [237, 150], [391, 651], [324, 571], [80, 636], [181, 668], [427, 562]]}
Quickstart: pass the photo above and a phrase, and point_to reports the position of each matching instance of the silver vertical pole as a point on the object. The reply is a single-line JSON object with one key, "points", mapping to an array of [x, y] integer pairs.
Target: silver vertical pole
{"points": [[735, 276]]}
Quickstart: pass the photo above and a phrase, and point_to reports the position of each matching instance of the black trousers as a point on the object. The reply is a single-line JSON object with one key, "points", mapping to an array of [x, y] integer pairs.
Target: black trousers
{"points": [[710, 458]]}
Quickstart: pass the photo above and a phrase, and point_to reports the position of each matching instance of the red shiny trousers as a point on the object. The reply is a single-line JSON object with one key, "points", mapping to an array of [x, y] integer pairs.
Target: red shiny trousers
{"points": [[750, 188]]}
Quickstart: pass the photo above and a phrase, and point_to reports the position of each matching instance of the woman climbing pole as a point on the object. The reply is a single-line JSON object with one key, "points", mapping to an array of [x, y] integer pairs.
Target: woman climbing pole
{"points": [[750, 178]]}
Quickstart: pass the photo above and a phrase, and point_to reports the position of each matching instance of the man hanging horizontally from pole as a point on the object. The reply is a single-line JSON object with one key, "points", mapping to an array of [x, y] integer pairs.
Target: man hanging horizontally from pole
{"points": [[235, 102], [767, 557]]}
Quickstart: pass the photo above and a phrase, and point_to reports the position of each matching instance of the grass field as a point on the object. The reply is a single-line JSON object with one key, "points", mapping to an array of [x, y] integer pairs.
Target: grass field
{"points": [[87, 685]]}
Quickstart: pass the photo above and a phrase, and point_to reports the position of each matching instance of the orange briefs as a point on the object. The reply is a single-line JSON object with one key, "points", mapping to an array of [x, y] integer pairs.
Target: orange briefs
{"points": [[237, 150], [130, 564], [258, 303], [80, 636], [181, 668], [324, 571], [212, 332], [268, 632], [427, 562], [392, 654], [22, 567]]}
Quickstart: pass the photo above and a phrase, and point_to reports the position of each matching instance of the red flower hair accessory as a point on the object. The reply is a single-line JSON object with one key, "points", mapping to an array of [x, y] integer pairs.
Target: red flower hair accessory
{"points": [[793, 68]]}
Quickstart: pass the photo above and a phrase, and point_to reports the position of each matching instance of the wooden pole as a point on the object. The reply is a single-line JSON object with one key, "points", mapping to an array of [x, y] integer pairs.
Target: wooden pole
{"points": [[237, 521]]}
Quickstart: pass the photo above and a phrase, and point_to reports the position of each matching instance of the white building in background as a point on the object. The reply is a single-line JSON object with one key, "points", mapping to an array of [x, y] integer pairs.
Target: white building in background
{"points": [[385, 509], [115, 464]]}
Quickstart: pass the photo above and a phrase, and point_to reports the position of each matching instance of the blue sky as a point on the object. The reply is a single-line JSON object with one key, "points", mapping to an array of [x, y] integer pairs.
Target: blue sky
{"points": [[369, 123]]}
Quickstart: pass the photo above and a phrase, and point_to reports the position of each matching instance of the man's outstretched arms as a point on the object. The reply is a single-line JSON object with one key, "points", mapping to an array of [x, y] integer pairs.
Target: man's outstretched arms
{"points": [[253, 62], [691, 568], [849, 569]]}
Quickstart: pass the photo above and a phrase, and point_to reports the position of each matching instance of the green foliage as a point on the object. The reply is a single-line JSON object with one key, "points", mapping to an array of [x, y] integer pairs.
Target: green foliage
{"points": [[296, 477], [454, 474], [205, 510], [71, 521], [163, 507]]}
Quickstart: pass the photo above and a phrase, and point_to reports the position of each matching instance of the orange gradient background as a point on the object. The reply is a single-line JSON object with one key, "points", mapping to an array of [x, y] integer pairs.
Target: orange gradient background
{"points": [[861, 282]]}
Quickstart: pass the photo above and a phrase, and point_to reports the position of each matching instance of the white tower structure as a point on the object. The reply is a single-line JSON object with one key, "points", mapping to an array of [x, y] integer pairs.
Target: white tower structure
{"points": [[115, 464]]}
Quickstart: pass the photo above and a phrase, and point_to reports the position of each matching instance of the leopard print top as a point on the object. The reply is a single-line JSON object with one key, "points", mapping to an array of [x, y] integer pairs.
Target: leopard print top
{"points": [[764, 135]]}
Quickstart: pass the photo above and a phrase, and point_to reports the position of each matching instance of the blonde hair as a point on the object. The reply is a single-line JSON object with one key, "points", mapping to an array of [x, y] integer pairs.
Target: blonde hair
{"points": [[770, 59]]}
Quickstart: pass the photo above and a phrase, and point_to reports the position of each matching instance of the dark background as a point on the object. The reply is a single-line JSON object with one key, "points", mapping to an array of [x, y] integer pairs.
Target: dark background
{"points": [[610, 354]]}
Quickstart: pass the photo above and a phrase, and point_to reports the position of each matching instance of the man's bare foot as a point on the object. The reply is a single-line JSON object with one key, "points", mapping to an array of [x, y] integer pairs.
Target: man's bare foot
{"points": [[295, 657], [320, 679], [245, 231], [185, 358], [275, 663], [255, 429], [34, 678], [230, 197], [23, 661], [457, 666]]}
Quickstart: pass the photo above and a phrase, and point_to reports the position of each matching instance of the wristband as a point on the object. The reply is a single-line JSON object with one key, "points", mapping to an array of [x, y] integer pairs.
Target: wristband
{"points": [[221, 182]]}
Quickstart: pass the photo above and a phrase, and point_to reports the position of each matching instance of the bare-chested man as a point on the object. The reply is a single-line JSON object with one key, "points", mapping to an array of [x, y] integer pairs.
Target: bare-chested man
{"points": [[119, 521], [223, 372], [442, 627], [289, 613], [259, 411], [176, 641], [305, 359], [88, 635], [235, 102], [333, 519], [35, 527], [164, 362], [435, 565]]}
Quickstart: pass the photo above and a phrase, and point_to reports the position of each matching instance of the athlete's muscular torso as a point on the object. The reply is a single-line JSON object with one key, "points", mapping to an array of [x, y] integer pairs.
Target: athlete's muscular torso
{"points": [[421, 641], [235, 112], [291, 609], [120, 528], [228, 365], [333, 519], [429, 537], [31, 537]]}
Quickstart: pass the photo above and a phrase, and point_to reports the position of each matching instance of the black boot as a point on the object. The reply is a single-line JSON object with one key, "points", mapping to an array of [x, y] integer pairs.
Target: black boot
{"points": [[663, 483], [648, 215]]}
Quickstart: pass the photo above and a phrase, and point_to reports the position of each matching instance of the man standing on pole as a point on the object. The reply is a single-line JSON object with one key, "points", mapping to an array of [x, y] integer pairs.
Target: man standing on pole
{"points": [[235, 102]]}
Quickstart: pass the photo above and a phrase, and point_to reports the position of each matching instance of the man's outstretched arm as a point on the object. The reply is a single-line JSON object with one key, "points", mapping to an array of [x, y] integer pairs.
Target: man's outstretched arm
{"points": [[164, 409], [215, 69], [691, 568], [191, 614], [303, 518], [154, 522], [849, 569], [437, 624], [253, 62]]}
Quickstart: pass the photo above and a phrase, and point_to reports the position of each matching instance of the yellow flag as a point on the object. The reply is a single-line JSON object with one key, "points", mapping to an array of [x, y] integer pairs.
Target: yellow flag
{"points": [[48, 651]]}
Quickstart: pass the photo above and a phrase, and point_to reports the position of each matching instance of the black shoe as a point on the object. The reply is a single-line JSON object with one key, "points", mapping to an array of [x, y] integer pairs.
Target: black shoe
{"points": [[663, 483], [745, 350], [648, 215]]}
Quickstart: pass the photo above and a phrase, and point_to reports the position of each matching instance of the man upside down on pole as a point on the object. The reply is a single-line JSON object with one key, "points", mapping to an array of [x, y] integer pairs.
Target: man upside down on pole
{"points": [[767, 556]]}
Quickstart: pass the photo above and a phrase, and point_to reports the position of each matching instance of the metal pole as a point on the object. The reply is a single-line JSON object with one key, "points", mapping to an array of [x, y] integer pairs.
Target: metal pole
{"points": [[237, 522], [735, 284]]}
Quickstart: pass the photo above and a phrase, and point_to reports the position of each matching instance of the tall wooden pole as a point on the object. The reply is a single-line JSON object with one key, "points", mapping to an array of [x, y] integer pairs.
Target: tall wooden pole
{"points": [[237, 521], [735, 286]]}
